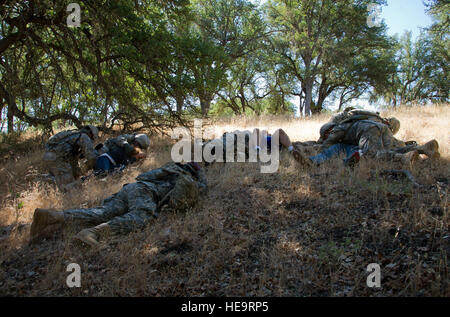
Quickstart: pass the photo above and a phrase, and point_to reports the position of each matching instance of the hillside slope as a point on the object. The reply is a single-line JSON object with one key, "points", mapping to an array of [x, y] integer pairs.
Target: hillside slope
{"points": [[297, 232]]}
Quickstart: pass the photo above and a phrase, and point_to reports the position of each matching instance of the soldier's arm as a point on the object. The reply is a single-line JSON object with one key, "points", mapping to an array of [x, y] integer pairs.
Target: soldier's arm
{"points": [[155, 175], [398, 143], [138, 154], [124, 142], [333, 138], [88, 150], [183, 196]]}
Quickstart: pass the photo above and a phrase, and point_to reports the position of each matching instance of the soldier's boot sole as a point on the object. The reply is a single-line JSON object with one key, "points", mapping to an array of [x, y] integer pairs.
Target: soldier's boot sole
{"points": [[430, 149], [89, 236]]}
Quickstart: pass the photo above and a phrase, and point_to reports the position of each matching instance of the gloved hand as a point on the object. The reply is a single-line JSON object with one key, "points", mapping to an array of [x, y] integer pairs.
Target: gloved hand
{"points": [[411, 143]]}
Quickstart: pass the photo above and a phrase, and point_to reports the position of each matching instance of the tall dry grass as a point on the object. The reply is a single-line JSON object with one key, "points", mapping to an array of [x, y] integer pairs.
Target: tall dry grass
{"points": [[421, 124], [297, 232]]}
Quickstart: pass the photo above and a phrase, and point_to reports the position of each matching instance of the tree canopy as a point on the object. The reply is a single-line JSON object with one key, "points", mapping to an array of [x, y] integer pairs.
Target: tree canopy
{"points": [[154, 64]]}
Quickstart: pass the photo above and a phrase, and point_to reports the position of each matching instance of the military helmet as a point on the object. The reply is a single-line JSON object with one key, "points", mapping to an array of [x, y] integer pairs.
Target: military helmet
{"points": [[142, 140], [92, 129], [394, 124]]}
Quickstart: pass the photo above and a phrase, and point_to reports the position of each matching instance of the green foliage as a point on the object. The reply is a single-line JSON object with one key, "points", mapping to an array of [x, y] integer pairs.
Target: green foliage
{"points": [[155, 64], [270, 105], [422, 71], [329, 48]]}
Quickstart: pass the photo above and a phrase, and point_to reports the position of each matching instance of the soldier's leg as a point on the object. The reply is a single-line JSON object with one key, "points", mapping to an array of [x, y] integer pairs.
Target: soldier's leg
{"points": [[76, 170], [430, 149], [404, 149], [137, 208], [142, 207], [62, 171], [46, 221], [283, 137], [333, 151], [407, 159], [286, 142], [371, 142], [113, 206], [334, 137]]}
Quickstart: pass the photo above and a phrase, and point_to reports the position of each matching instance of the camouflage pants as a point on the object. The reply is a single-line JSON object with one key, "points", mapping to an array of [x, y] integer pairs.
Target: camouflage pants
{"points": [[65, 172], [393, 153], [131, 208], [380, 144], [376, 140]]}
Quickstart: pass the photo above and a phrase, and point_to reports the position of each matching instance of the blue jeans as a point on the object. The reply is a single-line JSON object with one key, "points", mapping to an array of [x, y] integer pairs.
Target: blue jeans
{"points": [[103, 164], [333, 151]]}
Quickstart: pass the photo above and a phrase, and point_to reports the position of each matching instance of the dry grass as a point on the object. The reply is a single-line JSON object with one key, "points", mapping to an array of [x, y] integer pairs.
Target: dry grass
{"points": [[293, 233]]}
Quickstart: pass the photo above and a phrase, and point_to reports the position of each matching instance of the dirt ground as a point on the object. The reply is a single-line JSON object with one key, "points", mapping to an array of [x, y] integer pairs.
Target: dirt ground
{"points": [[297, 232]]}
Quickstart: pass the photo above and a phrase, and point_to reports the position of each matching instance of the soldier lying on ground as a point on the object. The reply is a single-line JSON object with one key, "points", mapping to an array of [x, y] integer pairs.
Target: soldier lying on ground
{"points": [[372, 139], [174, 186], [352, 153], [333, 131], [120, 151], [258, 140], [64, 149]]}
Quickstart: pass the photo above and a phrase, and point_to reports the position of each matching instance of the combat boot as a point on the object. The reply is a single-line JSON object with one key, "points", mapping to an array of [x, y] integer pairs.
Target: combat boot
{"points": [[91, 236], [430, 149], [45, 221]]}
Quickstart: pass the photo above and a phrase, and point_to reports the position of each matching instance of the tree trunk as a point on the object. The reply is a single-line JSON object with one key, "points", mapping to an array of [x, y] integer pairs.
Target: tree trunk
{"points": [[341, 102], [300, 106], [180, 102], [308, 96], [319, 106], [10, 116], [205, 103]]}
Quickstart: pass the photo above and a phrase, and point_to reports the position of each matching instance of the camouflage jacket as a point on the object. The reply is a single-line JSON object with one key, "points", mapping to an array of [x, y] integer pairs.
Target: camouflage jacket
{"points": [[71, 145], [355, 132], [120, 148], [176, 186], [347, 117]]}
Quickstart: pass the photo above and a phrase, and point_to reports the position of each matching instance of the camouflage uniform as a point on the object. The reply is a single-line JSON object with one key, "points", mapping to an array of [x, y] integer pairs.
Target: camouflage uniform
{"points": [[62, 152], [120, 149], [124, 141], [372, 138], [345, 117], [174, 186]]}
